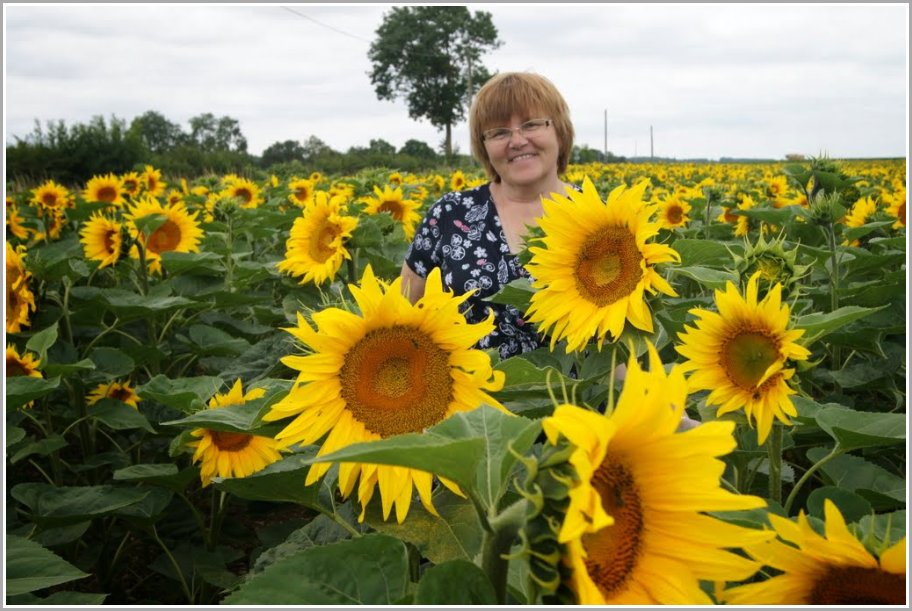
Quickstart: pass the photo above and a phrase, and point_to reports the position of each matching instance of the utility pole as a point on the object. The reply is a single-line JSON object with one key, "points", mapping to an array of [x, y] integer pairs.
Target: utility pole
{"points": [[651, 156]]}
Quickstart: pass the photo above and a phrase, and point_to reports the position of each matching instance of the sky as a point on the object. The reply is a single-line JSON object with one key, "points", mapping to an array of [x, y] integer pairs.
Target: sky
{"points": [[707, 80]]}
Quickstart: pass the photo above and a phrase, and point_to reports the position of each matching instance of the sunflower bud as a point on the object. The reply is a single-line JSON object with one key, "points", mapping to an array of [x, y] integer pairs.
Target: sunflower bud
{"points": [[775, 264]]}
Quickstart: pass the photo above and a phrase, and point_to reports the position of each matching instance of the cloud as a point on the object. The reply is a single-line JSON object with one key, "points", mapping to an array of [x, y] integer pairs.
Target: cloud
{"points": [[712, 80]]}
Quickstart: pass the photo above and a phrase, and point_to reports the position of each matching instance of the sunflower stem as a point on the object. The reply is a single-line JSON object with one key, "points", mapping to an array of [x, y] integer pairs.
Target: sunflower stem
{"points": [[836, 451], [187, 592], [774, 449], [497, 543], [834, 283], [609, 408]]}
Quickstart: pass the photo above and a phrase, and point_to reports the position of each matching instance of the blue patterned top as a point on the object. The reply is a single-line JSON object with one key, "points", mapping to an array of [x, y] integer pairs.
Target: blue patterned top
{"points": [[462, 234]]}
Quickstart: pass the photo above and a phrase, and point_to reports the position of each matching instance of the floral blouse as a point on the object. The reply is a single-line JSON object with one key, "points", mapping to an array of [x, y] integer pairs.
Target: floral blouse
{"points": [[462, 235]]}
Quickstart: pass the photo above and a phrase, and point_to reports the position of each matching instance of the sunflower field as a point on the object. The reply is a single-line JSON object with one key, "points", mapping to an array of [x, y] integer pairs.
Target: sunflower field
{"points": [[216, 393]]}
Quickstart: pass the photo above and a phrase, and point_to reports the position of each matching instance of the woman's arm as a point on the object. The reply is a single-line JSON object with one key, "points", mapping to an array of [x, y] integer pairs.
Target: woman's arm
{"points": [[412, 284]]}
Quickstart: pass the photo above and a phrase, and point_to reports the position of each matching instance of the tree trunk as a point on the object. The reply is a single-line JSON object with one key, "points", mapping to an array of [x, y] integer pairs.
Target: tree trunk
{"points": [[448, 145]]}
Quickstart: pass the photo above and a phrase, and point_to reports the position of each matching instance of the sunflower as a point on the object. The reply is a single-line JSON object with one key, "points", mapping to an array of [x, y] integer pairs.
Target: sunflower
{"points": [[635, 530], [19, 298], [174, 196], [834, 570], [896, 206], [315, 247], [302, 191], [395, 178], [457, 181], [107, 189], [14, 223], [861, 213], [122, 391], [132, 183], [744, 223], [673, 213], [231, 454], [739, 354], [395, 368], [246, 192], [151, 178], [101, 239], [595, 265], [24, 364], [401, 209], [179, 233], [50, 195]]}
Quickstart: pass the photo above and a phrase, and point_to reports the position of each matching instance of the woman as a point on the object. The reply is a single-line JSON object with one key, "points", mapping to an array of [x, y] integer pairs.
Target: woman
{"points": [[521, 133]]}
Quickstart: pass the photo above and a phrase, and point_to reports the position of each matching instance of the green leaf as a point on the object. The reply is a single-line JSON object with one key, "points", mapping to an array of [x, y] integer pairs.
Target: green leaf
{"points": [[702, 252], [158, 474], [236, 418], [52, 506], [851, 506], [516, 293], [22, 389], [112, 362], [184, 394], [854, 233], [68, 369], [14, 435], [131, 306], [469, 448], [30, 567], [148, 223], [42, 341], [455, 534], [208, 340], [457, 582], [60, 599], [853, 430], [708, 277], [207, 263], [282, 481], [42, 447], [370, 570], [818, 324], [119, 416], [856, 474]]}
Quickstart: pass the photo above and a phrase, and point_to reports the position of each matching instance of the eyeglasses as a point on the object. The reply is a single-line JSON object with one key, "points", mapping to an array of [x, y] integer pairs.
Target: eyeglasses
{"points": [[502, 134]]}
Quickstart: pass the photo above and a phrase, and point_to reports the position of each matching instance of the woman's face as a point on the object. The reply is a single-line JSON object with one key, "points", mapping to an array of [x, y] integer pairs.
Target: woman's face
{"points": [[526, 156]]}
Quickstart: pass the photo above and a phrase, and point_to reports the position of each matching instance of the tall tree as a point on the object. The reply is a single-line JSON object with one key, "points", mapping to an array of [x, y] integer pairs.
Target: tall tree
{"points": [[431, 57], [223, 134], [158, 133]]}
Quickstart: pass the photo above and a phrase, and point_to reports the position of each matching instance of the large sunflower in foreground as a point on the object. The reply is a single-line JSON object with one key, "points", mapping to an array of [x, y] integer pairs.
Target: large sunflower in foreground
{"points": [[315, 248], [179, 233], [19, 298], [392, 201], [596, 265], [739, 354], [395, 368], [232, 454], [636, 531], [833, 570], [101, 239]]}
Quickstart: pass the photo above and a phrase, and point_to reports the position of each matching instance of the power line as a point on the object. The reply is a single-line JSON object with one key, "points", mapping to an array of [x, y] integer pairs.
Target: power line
{"points": [[334, 29]]}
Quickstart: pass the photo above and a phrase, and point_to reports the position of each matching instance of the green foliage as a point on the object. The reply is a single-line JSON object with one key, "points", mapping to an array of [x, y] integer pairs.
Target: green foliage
{"points": [[430, 56]]}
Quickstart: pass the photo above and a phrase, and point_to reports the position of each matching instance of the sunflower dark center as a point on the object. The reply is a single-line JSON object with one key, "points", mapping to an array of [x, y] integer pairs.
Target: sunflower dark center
{"points": [[14, 368], [612, 552], [131, 185], [321, 243], [244, 193], [121, 394], [674, 213], [230, 442], [106, 194], [110, 245], [302, 193], [608, 267], [397, 380], [729, 217], [857, 585], [746, 357], [393, 207], [901, 213], [166, 238], [49, 199]]}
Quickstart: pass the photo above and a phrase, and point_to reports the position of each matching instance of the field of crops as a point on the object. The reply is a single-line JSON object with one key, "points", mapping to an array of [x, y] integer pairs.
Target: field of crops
{"points": [[216, 393]]}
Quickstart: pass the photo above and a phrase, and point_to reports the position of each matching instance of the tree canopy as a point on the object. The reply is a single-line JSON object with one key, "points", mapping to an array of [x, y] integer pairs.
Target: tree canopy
{"points": [[431, 57]]}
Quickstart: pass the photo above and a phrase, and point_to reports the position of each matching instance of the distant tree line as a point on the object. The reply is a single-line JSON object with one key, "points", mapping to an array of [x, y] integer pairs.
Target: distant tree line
{"points": [[72, 154]]}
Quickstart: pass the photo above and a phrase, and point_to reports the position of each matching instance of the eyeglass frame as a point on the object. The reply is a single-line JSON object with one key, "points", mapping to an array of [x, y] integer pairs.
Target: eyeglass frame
{"points": [[485, 137]]}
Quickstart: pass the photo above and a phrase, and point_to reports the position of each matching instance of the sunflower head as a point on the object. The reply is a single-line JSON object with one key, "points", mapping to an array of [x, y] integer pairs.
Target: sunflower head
{"points": [[393, 202], [244, 192], [24, 364], [178, 230], [107, 189], [121, 391], [19, 298], [772, 261], [595, 264], [391, 368], [301, 191], [50, 195], [102, 239]]}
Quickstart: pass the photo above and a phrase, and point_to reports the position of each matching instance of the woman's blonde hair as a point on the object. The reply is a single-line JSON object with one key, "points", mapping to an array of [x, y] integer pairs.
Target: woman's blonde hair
{"points": [[524, 94]]}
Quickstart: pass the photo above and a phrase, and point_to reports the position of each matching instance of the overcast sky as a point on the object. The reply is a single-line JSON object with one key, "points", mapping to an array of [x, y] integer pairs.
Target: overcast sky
{"points": [[712, 81]]}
